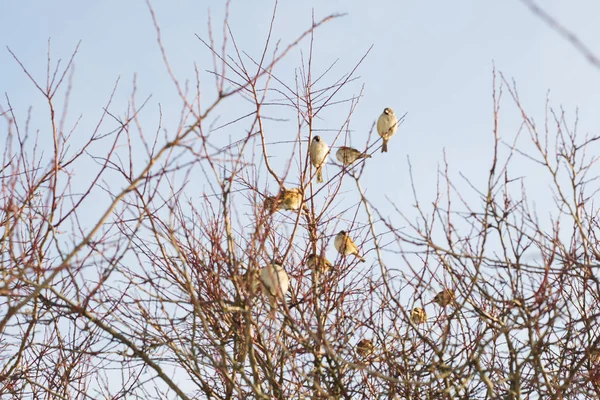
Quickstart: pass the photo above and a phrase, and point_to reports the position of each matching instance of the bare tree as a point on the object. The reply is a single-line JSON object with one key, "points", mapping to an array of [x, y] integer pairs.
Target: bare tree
{"points": [[146, 279]]}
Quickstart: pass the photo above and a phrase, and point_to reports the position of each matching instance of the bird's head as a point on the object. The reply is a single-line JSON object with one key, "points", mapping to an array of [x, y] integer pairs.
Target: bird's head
{"points": [[388, 111], [317, 139]]}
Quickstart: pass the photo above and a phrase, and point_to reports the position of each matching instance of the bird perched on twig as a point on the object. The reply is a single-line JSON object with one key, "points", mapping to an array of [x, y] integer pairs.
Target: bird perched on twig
{"points": [[318, 155], [387, 125], [418, 316], [345, 245], [275, 280], [365, 347], [445, 297], [287, 199], [318, 263], [348, 155]]}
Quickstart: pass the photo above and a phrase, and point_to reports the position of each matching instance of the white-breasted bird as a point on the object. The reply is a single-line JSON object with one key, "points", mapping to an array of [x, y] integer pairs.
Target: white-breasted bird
{"points": [[345, 245], [318, 155], [275, 280], [387, 125], [348, 155]]}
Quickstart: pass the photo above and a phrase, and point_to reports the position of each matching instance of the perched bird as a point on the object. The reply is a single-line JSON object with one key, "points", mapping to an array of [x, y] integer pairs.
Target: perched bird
{"points": [[318, 263], [287, 199], [445, 297], [318, 156], [275, 280], [252, 280], [418, 316], [365, 347], [345, 245], [387, 124], [348, 155]]}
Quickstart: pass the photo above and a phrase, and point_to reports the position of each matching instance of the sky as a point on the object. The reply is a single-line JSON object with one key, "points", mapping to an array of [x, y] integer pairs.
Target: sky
{"points": [[432, 61]]}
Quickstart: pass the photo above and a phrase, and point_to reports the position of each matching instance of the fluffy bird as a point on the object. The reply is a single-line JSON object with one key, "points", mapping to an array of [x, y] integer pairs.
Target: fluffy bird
{"points": [[418, 316], [287, 199], [348, 155], [345, 245], [318, 263], [318, 155], [445, 297], [387, 125], [275, 280], [365, 347]]}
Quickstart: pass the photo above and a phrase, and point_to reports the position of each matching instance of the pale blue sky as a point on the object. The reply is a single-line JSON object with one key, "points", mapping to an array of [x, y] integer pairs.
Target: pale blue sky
{"points": [[433, 61]]}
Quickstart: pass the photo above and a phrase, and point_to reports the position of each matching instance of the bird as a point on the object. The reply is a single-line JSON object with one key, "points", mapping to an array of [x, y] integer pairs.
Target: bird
{"points": [[275, 280], [318, 263], [287, 199], [252, 280], [365, 347], [348, 155], [445, 297], [345, 245], [418, 316], [318, 155], [387, 124]]}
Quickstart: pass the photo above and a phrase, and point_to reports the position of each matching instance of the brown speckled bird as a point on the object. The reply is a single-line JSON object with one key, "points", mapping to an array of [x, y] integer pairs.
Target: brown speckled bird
{"points": [[365, 347], [445, 297], [418, 316], [344, 245], [318, 263], [348, 155], [288, 199]]}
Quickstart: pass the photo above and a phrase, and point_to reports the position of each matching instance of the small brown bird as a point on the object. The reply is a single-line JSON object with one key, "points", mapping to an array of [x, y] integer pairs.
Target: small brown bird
{"points": [[318, 263], [387, 125], [418, 316], [445, 297], [287, 199], [318, 151], [345, 245], [594, 355], [275, 280], [348, 155], [365, 347], [252, 280]]}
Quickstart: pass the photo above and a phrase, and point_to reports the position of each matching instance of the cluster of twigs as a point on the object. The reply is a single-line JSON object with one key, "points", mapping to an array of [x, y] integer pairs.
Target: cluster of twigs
{"points": [[128, 261]]}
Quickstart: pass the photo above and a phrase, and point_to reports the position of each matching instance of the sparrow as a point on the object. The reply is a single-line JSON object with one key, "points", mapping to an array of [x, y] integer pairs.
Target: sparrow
{"points": [[275, 280], [348, 155], [418, 316], [252, 280], [318, 263], [365, 347], [387, 124], [345, 245], [445, 297], [287, 199], [318, 155]]}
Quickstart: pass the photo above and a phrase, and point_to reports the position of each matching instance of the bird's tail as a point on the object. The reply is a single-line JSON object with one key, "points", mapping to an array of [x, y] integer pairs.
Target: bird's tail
{"points": [[319, 175], [360, 257], [384, 147]]}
